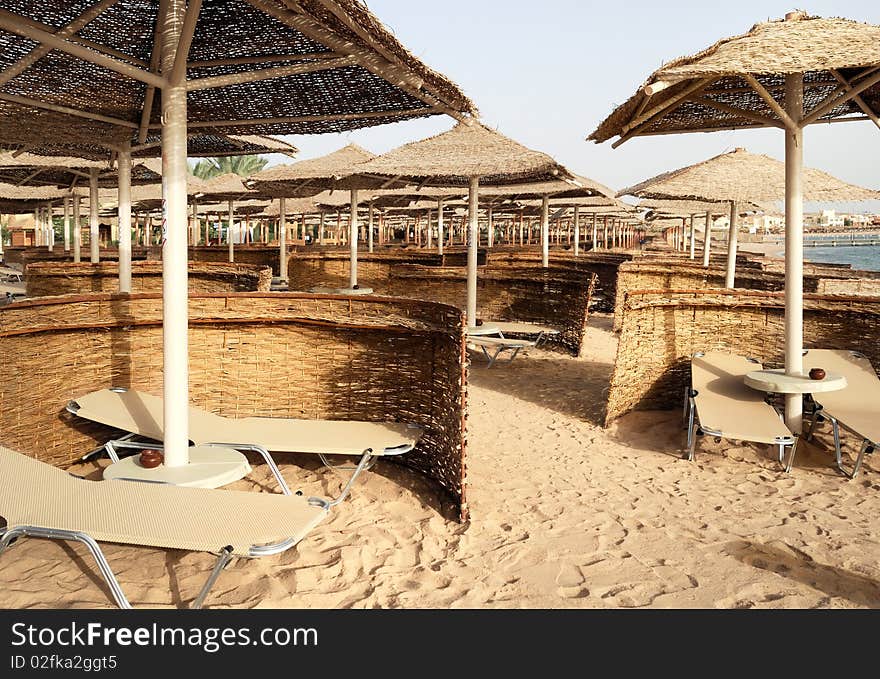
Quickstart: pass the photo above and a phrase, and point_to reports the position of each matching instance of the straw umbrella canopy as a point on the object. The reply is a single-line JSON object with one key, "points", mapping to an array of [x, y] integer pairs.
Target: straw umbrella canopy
{"points": [[223, 68], [786, 74], [739, 177], [467, 155], [309, 178]]}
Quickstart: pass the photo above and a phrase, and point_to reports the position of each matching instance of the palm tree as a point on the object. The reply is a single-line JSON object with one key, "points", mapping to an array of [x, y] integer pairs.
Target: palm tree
{"points": [[244, 166]]}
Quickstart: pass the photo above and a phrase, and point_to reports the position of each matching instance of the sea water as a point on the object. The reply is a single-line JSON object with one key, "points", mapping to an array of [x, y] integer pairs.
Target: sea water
{"points": [[865, 257]]}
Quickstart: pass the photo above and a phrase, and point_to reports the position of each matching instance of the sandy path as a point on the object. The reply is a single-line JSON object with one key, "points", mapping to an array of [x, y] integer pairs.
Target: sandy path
{"points": [[564, 515]]}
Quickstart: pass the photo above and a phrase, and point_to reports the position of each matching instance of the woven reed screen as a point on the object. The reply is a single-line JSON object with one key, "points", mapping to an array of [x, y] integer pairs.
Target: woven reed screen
{"points": [[662, 329], [559, 298], [45, 279], [257, 255], [604, 265], [251, 354], [22, 256]]}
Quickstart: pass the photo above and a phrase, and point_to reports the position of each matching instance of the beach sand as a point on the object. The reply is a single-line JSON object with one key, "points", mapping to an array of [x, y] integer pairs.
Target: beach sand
{"points": [[564, 514]]}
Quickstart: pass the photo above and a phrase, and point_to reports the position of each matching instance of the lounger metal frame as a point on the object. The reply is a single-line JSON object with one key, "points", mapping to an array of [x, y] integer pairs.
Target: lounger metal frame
{"points": [[494, 357], [694, 428], [867, 446], [10, 533]]}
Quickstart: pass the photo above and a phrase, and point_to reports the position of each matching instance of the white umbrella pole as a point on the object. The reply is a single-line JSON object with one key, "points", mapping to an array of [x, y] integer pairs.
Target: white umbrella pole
{"points": [[124, 214], [490, 229], [94, 234], [545, 231], [693, 239], [473, 206], [794, 247], [440, 227], [370, 228], [577, 231], [282, 238], [707, 240], [230, 241], [353, 241], [66, 226], [77, 231], [50, 232], [595, 233], [175, 276], [321, 229], [731, 248]]}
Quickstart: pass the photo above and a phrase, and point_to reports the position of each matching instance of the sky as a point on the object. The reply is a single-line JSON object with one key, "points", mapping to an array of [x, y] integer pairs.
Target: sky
{"points": [[546, 74]]}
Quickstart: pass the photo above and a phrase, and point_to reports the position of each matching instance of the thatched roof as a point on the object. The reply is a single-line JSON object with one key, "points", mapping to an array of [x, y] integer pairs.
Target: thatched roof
{"points": [[582, 188], [21, 199], [36, 170], [224, 187], [254, 67], [742, 176], [712, 90], [310, 177], [472, 150]]}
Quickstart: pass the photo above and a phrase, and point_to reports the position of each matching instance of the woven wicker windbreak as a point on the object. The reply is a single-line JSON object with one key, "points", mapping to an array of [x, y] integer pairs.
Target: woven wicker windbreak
{"points": [[708, 91], [46, 279], [250, 354], [335, 67], [662, 329], [742, 176], [555, 297]]}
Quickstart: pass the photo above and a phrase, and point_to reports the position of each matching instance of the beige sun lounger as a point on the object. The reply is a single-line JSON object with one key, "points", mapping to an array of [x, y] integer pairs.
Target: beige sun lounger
{"points": [[498, 345], [39, 500], [142, 414], [517, 328], [720, 404], [856, 408]]}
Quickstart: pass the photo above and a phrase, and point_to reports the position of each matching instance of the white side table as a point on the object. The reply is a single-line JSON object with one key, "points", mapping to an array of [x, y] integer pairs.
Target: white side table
{"points": [[777, 382]]}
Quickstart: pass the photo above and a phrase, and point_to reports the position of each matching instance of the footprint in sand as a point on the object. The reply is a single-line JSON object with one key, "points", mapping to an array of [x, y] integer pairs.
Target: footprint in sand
{"points": [[570, 582]]}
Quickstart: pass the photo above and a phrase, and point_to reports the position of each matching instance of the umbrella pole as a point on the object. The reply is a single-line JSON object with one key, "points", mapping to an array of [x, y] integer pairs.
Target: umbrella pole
{"points": [[321, 229], [175, 275], [794, 247], [229, 239], [353, 241], [66, 226], [731, 248], [282, 239], [693, 240], [370, 228], [473, 205], [577, 231], [94, 234], [707, 239], [545, 231], [440, 227], [124, 218], [77, 231]]}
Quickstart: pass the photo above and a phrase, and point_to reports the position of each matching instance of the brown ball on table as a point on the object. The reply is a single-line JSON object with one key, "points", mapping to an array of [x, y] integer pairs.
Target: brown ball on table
{"points": [[817, 374], [151, 458]]}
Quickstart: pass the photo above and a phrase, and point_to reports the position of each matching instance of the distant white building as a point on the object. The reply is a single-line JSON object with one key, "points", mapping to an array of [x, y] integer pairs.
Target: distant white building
{"points": [[831, 219]]}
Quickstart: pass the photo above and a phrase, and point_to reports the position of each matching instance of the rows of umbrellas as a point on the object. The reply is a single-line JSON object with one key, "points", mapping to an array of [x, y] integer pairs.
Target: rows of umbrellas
{"points": [[174, 79]]}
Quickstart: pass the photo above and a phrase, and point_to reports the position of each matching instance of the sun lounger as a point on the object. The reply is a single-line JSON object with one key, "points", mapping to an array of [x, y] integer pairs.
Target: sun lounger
{"points": [[720, 404], [498, 345], [515, 328], [142, 414], [39, 500], [856, 408]]}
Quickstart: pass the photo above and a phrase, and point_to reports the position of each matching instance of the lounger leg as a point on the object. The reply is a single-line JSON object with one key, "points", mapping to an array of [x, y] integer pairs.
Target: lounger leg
{"points": [[787, 466], [222, 561], [76, 536], [264, 453], [513, 355], [813, 420], [866, 446], [362, 465], [835, 427]]}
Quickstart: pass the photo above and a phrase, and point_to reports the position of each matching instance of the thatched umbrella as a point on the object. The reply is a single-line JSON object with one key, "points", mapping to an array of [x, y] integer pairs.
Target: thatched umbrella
{"points": [[26, 199], [826, 70], [225, 68], [309, 178], [467, 155], [39, 170], [740, 177], [544, 191], [686, 211]]}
